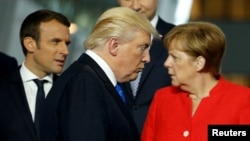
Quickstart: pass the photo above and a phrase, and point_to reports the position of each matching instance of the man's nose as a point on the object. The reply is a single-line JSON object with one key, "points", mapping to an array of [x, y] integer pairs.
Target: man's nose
{"points": [[136, 5], [146, 57], [64, 49]]}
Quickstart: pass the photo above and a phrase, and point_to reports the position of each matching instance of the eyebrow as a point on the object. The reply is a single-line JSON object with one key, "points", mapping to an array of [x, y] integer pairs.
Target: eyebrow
{"points": [[60, 40]]}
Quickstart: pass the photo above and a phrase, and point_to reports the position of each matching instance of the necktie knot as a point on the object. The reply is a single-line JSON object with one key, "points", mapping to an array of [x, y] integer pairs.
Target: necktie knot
{"points": [[40, 89], [120, 92], [39, 83]]}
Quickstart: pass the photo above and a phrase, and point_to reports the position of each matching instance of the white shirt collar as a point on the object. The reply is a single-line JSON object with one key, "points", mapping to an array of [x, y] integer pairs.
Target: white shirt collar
{"points": [[154, 20], [27, 75], [105, 67]]}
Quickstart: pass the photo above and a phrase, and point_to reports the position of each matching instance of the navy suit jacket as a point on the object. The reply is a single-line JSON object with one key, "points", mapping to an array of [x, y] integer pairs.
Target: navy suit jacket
{"points": [[153, 77], [83, 105], [16, 122], [8, 65]]}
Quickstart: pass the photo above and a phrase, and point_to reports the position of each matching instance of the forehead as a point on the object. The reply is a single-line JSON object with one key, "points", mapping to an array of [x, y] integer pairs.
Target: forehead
{"points": [[180, 54], [54, 29], [53, 26], [142, 37], [176, 45], [150, 3], [49, 24], [178, 49]]}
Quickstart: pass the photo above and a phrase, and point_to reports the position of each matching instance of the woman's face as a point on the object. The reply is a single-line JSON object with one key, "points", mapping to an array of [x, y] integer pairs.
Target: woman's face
{"points": [[180, 65]]}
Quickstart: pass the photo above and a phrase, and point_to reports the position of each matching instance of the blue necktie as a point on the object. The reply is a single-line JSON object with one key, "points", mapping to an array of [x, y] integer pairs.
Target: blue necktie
{"points": [[120, 92]]}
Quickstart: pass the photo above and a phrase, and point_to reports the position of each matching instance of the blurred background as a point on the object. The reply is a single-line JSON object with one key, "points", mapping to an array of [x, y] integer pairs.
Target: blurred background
{"points": [[232, 16]]}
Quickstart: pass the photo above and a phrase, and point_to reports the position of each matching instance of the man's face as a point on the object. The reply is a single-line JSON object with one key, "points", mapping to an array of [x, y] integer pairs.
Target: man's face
{"points": [[147, 8], [51, 50], [132, 56]]}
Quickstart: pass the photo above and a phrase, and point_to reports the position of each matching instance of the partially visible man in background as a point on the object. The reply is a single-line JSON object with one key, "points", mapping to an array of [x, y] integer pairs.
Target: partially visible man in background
{"points": [[44, 36], [141, 91], [8, 64]]}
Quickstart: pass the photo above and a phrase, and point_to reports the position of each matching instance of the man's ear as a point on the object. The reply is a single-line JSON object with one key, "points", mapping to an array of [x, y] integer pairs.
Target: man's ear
{"points": [[200, 63], [29, 44], [113, 44]]}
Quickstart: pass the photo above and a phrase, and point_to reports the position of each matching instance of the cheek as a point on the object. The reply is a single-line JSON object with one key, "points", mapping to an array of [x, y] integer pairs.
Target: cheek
{"points": [[124, 4], [150, 6], [130, 65], [184, 75], [179, 71]]}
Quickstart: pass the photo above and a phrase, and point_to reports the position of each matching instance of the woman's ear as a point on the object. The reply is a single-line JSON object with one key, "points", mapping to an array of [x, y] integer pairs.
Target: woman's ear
{"points": [[200, 63], [113, 44], [29, 44]]}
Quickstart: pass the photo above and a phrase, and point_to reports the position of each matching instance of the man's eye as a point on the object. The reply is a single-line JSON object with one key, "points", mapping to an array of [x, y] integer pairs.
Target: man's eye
{"points": [[56, 41], [143, 48]]}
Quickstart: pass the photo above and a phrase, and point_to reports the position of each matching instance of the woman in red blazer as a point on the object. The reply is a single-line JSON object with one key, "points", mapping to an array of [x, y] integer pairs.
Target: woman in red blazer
{"points": [[199, 95]]}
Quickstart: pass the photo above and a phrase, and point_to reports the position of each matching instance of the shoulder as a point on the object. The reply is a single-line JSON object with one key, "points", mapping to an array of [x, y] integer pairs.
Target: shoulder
{"points": [[163, 22], [163, 27], [233, 91], [5, 57], [169, 91], [232, 86]]}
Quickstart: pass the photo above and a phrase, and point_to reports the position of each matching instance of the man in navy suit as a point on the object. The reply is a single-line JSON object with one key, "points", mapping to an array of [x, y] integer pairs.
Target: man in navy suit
{"points": [[8, 65], [84, 105], [44, 36], [141, 91]]}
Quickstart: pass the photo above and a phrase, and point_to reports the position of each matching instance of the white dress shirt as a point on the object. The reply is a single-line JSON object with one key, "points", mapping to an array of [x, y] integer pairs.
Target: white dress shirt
{"points": [[31, 88]]}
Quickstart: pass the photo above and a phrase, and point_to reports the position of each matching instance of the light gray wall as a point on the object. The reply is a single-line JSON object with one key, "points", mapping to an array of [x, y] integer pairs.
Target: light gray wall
{"points": [[13, 13]]}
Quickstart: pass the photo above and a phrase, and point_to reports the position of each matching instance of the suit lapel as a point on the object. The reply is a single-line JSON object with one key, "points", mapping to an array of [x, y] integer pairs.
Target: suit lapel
{"points": [[124, 108], [95, 68], [18, 93]]}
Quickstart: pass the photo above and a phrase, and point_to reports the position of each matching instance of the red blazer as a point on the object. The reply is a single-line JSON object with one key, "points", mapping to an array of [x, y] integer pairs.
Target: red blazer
{"points": [[170, 115]]}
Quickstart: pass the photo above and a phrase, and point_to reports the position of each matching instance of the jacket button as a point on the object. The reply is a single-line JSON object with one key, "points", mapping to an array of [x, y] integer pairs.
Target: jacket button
{"points": [[135, 106], [186, 133]]}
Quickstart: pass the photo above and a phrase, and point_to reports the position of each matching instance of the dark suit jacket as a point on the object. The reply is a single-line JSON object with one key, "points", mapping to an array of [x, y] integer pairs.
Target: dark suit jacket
{"points": [[8, 65], [153, 77], [83, 105], [16, 122]]}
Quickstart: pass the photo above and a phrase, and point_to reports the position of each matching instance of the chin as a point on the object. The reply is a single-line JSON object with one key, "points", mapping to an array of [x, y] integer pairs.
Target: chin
{"points": [[132, 79], [174, 83], [57, 71]]}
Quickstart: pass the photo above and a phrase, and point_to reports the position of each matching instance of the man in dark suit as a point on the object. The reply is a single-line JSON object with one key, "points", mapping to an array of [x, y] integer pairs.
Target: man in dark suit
{"points": [[84, 104], [8, 64], [141, 91], [44, 37]]}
